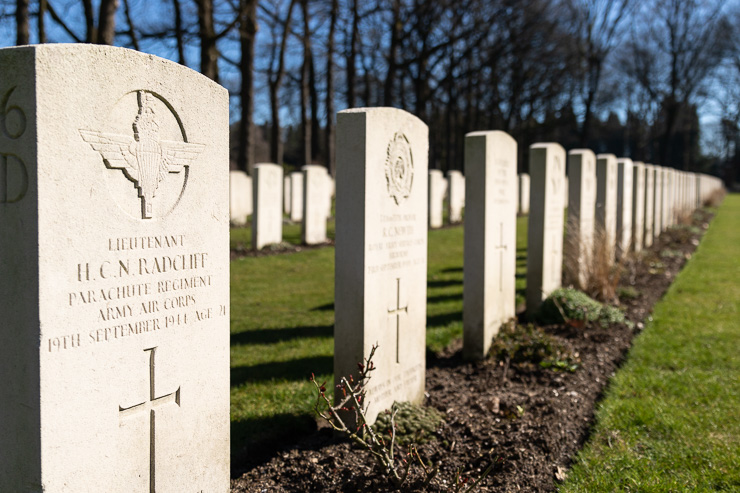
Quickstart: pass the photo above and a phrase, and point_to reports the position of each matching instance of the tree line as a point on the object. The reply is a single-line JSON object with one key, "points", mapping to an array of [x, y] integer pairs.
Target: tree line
{"points": [[622, 76]]}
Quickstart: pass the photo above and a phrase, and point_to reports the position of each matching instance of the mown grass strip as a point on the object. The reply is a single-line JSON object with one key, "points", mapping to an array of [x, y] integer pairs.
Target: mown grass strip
{"points": [[670, 420], [282, 317]]}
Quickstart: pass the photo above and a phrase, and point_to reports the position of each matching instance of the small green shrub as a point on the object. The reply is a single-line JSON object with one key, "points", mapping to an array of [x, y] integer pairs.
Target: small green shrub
{"points": [[668, 253], [628, 293], [414, 423], [522, 344], [568, 305]]}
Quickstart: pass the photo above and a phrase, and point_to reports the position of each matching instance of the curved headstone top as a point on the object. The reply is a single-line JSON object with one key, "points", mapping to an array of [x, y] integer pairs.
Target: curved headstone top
{"points": [[114, 272]]}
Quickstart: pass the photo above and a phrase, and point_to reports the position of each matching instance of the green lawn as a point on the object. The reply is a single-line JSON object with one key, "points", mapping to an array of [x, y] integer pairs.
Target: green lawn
{"points": [[670, 420], [282, 317]]}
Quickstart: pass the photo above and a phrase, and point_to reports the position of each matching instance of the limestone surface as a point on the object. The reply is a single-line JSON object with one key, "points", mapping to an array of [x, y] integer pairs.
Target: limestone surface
{"points": [[240, 197], [580, 225], [114, 273], [315, 198], [545, 229], [267, 218], [490, 238], [381, 251], [436, 198]]}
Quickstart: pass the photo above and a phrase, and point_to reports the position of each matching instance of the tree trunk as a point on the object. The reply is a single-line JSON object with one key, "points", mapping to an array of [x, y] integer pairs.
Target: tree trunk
{"points": [[314, 99], [42, 21], [91, 34], [390, 78], [107, 22], [131, 30], [594, 78], [352, 57], [329, 134], [21, 23], [179, 33], [247, 31], [207, 32], [305, 125], [276, 147]]}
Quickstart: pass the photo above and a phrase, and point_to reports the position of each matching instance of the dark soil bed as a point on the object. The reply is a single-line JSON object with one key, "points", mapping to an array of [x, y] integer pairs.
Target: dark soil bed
{"points": [[527, 421]]}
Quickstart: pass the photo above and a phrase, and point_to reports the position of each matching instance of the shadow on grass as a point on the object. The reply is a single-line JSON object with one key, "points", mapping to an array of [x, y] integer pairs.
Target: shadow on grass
{"points": [[444, 297], [323, 308], [271, 336], [452, 269], [256, 440], [444, 319], [292, 370], [444, 283]]}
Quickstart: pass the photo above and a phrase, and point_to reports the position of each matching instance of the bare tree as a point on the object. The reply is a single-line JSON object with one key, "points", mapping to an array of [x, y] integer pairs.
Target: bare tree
{"points": [[247, 32], [107, 22], [597, 27], [22, 23], [208, 39], [673, 54], [276, 73], [306, 69], [330, 127]]}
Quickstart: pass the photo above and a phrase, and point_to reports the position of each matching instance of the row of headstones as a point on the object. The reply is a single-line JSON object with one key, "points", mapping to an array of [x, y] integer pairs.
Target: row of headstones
{"points": [[306, 196], [381, 252], [449, 192], [115, 267], [313, 188], [625, 205]]}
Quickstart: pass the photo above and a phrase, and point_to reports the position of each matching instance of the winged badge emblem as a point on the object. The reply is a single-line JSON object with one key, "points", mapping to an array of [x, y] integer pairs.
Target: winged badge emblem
{"points": [[144, 158]]}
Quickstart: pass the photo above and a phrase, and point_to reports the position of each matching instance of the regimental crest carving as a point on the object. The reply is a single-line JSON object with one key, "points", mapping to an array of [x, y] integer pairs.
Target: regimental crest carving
{"points": [[144, 158], [399, 168]]}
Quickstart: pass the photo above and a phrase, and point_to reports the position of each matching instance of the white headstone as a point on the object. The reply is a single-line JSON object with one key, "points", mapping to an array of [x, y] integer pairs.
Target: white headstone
{"points": [[456, 195], [114, 273], [436, 198], [649, 204], [658, 202], [638, 205], [671, 196], [286, 194], [329, 193], [606, 201], [296, 196], [490, 238], [267, 219], [545, 229], [240, 197], [524, 193], [315, 195], [381, 251], [665, 196], [580, 225], [624, 204], [567, 195]]}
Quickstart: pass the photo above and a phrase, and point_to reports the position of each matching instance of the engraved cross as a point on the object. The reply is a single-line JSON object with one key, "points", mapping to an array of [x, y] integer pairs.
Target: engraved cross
{"points": [[149, 406], [501, 247], [397, 313], [555, 253]]}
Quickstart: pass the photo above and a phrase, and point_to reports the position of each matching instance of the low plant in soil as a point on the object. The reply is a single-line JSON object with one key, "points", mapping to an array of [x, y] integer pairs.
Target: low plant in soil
{"points": [[531, 345], [413, 423], [382, 442], [568, 305]]}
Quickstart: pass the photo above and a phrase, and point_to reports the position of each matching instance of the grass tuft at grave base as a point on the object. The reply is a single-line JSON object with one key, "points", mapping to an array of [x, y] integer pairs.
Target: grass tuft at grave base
{"points": [[282, 317], [670, 420]]}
